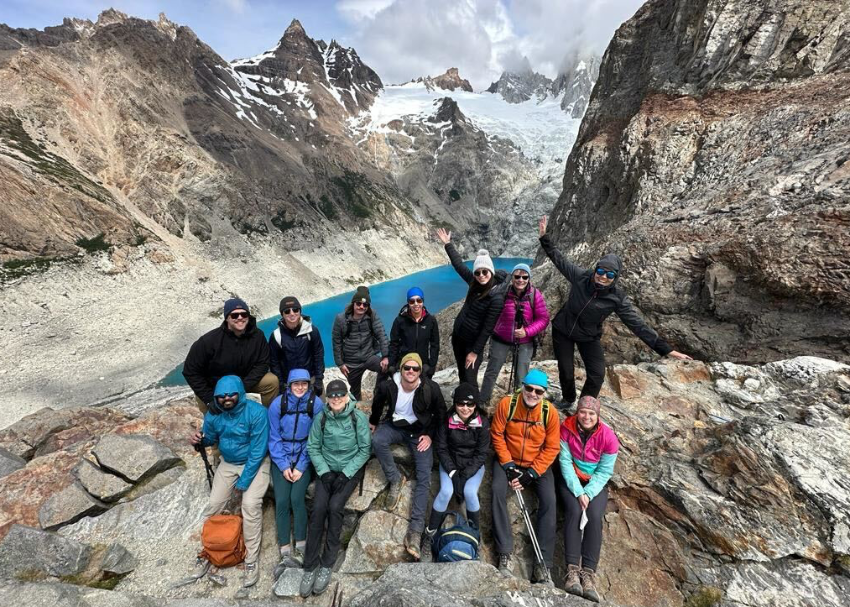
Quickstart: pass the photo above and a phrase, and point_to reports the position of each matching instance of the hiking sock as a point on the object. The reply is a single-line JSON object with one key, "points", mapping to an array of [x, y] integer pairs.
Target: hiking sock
{"points": [[474, 517], [434, 521], [285, 550]]}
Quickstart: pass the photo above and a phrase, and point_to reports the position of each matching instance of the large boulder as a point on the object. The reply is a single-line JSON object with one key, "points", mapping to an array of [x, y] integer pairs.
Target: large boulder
{"points": [[133, 457], [9, 462], [68, 506], [31, 552], [102, 485], [377, 542]]}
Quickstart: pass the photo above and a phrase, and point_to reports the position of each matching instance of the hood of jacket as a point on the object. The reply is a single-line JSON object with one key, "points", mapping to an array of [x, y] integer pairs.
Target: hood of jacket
{"points": [[609, 262], [228, 385]]}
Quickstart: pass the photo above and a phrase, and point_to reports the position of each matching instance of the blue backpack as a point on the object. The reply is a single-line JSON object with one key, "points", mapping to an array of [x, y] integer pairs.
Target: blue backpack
{"points": [[456, 543]]}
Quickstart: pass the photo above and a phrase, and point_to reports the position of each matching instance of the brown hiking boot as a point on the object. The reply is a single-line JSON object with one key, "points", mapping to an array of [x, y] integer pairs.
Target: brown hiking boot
{"points": [[394, 495], [588, 585], [573, 582], [411, 543]]}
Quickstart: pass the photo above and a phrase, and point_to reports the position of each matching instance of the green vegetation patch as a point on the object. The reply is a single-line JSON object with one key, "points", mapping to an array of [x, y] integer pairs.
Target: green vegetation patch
{"points": [[705, 596], [94, 245], [327, 207], [356, 191], [18, 268], [454, 195]]}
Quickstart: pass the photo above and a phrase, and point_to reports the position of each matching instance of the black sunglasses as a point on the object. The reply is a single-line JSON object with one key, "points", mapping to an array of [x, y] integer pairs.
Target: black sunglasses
{"points": [[520, 276], [537, 391], [465, 403], [411, 368], [362, 304], [414, 300], [238, 315], [481, 272], [292, 310], [606, 273], [227, 395]]}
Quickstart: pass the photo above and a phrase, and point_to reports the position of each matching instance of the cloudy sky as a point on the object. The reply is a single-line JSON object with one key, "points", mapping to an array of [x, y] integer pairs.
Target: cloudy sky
{"points": [[400, 39]]}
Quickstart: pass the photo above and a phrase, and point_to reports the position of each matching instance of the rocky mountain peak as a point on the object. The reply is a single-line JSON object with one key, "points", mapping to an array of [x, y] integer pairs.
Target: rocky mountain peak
{"points": [[575, 82], [295, 29], [447, 110], [448, 81], [518, 87], [111, 16]]}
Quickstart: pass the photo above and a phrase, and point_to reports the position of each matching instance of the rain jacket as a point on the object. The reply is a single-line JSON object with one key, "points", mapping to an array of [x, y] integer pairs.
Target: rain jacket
{"points": [[587, 466], [422, 337], [344, 444], [289, 425], [525, 441]]}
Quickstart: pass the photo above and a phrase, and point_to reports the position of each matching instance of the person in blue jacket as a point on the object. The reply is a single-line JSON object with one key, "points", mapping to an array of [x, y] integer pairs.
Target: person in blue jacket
{"points": [[290, 417], [296, 344], [240, 428]]}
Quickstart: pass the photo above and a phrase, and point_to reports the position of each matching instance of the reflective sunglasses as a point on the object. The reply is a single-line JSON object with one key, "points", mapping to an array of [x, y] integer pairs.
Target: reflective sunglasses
{"points": [[238, 315], [337, 395], [361, 304], [537, 391], [410, 368], [414, 300], [292, 310], [520, 276], [481, 273], [610, 275], [227, 395]]}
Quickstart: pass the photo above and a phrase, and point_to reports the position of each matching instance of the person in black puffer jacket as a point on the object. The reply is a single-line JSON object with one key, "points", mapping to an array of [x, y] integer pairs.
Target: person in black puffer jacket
{"points": [[481, 308], [415, 330], [594, 296], [296, 344]]}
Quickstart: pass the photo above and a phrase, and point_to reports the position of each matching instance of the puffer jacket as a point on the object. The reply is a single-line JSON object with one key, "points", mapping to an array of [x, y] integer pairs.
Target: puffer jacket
{"points": [[345, 442], [365, 339], [525, 441], [298, 349], [422, 337], [463, 447], [290, 419], [587, 465], [476, 319], [587, 307], [534, 313], [242, 434]]}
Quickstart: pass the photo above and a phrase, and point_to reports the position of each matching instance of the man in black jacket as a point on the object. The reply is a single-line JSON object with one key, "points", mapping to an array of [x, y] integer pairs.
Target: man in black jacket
{"points": [[237, 347], [414, 409], [594, 295], [414, 330], [296, 344]]}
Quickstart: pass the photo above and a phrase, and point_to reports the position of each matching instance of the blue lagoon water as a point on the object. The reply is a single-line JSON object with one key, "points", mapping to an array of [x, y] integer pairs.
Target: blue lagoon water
{"points": [[442, 287]]}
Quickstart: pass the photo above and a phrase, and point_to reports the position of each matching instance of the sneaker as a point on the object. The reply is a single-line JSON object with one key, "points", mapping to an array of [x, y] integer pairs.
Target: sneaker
{"points": [[200, 569], [426, 547], [573, 582], [295, 558], [307, 583], [323, 578], [394, 496], [505, 564], [411, 543], [588, 584], [251, 575]]}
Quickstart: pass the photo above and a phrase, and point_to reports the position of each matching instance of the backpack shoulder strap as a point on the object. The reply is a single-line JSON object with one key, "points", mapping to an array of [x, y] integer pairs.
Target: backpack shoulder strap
{"points": [[545, 407], [311, 403], [512, 406]]}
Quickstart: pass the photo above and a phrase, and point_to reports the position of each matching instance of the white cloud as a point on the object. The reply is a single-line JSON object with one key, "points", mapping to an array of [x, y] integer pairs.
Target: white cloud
{"points": [[359, 10], [237, 6]]}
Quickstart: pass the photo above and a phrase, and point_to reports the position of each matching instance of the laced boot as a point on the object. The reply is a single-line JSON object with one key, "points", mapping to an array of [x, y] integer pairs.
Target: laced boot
{"points": [[573, 582], [588, 584]]}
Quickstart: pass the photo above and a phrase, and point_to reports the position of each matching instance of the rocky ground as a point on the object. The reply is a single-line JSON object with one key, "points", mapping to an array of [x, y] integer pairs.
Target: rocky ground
{"points": [[731, 489]]}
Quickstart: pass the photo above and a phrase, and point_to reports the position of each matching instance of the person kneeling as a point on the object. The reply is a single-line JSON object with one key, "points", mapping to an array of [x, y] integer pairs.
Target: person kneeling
{"points": [[588, 451], [525, 439], [241, 431], [339, 446]]}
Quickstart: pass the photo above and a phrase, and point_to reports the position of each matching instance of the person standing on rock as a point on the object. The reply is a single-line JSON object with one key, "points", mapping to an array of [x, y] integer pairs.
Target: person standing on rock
{"points": [[462, 444], [481, 308], [241, 431], [594, 296], [523, 317], [360, 341], [408, 408], [525, 438], [290, 417], [414, 330], [340, 444], [588, 452], [296, 344], [237, 347]]}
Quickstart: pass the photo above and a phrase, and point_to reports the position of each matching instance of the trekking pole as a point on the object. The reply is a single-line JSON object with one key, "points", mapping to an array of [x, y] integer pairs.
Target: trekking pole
{"points": [[538, 553], [207, 467]]}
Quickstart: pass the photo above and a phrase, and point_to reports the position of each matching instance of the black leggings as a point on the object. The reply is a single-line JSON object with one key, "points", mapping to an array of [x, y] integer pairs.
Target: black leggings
{"points": [[593, 357], [582, 547], [461, 349], [327, 506]]}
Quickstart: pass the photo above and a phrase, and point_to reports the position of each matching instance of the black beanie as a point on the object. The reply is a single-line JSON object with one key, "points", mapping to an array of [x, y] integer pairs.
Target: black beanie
{"points": [[289, 302], [234, 304], [362, 295], [464, 393]]}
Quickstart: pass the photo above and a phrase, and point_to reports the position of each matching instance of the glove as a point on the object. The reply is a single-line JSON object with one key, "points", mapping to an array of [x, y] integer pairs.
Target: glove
{"points": [[512, 472], [458, 482], [318, 387], [528, 477], [328, 479], [340, 482]]}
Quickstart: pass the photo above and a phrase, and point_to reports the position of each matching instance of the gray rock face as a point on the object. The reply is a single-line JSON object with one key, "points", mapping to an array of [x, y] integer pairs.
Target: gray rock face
{"points": [[68, 506], [133, 457], [9, 462], [377, 542], [102, 485], [288, 583], [25, 550], [118, 560]]}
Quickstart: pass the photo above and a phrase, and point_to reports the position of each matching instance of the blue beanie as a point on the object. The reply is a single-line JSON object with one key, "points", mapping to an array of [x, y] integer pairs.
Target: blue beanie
{"points": [[522, 266], [235, 304], [536, 377], [415, 292]]}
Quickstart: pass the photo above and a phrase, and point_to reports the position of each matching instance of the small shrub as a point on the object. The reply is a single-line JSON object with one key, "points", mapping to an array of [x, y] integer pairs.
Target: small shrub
{"points": [[327, 207], [94, 245], [704, 596], [454, 195]]}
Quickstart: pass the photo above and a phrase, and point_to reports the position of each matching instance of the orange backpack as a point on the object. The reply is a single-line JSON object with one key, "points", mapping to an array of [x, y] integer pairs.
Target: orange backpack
{"points": [[222, 540]]}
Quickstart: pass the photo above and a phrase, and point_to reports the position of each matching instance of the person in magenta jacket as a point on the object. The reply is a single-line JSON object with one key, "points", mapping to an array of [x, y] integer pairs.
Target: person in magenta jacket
{"points": [[523, 317], [588, 452]]}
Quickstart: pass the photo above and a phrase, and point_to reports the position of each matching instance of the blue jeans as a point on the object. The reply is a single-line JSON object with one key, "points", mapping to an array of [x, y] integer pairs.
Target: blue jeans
{"points": [[470, 491]]}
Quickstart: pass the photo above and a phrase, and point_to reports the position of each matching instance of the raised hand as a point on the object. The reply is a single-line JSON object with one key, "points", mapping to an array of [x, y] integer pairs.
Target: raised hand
{"points": [[444, 236], [544, 222], [678, 355]]}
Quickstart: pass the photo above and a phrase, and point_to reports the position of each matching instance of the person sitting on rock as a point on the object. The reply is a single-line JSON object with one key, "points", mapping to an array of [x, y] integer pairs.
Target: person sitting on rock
{"points": [[359, 341], [588, 453], [462, 444], [290, 417], [414, 330], [241, 431], [296, 344], [525, 438], [340, 444], [523, 316], [594, 295], [237, 347], [481, 308], [407, 408]]}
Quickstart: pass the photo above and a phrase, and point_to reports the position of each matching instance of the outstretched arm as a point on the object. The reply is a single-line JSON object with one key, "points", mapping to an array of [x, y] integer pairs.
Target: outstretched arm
{"points": [[630, 317], [570, 271], [457, 263]]}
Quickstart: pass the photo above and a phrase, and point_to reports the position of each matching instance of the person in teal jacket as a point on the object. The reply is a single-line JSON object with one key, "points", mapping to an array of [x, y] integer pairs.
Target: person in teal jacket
{"points": [[340, 443], [241, 431]]}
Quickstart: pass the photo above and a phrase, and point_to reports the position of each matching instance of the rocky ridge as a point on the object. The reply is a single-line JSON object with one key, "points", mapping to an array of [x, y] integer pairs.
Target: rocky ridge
{"points": [[449, 81]]}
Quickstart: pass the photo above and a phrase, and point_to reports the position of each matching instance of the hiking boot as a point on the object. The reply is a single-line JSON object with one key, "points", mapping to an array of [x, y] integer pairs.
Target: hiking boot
{"points": [[505, 564], [323, 578], [394, 496], [295, 558], [540, 575], [411, 543], [307, 583], [426, 547], [251, 575], [588, 585], [573, 582], [278, 570], [200, 568]]}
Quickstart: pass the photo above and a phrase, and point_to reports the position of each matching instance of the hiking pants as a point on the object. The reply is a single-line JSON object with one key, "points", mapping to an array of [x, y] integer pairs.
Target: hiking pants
{"points": [[582, 547], [384, 437], [461, 349], [328, 506], [355, 374], [470, 491], [499, 352], [225, 478], [289, 497], [544, 487], [593, 357]]}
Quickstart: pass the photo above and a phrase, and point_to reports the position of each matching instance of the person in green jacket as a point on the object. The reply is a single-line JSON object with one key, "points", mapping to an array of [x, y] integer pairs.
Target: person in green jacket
{"points": [[339, 445]]}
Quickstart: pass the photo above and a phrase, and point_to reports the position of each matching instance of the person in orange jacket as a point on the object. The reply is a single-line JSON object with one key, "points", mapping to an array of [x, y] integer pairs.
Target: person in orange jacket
{"points": [[525, 432]]}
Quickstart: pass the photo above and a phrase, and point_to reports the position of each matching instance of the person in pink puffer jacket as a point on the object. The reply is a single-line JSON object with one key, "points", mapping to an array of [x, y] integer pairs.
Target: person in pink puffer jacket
{"points": [[523, 317]]}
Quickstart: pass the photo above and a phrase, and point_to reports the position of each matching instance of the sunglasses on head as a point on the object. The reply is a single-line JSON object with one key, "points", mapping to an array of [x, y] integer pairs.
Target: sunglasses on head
{"points": [[609, 274], [292, 310], [238, 315], [410, 368], [520, 276], [361, 304], [414, 300], [228, 395], [537, 391], [481, 273]]}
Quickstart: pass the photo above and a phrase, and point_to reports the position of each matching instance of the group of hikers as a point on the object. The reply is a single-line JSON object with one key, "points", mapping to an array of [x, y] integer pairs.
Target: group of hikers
{"points": [[304, 429]]}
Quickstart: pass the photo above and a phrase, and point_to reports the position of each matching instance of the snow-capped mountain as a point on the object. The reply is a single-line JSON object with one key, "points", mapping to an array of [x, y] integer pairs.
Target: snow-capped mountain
{"points": [[450, 81]]}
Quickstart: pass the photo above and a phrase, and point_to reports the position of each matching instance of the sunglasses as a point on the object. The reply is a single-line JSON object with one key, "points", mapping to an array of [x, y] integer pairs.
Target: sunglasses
{"points": [[481, 273], [228, 395], [537, 391], [238, 315], [340, 395], [361, 304], [414, 300], [292, 311], [520, 276], [410, 368], [606, 273], [467, 403]]}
